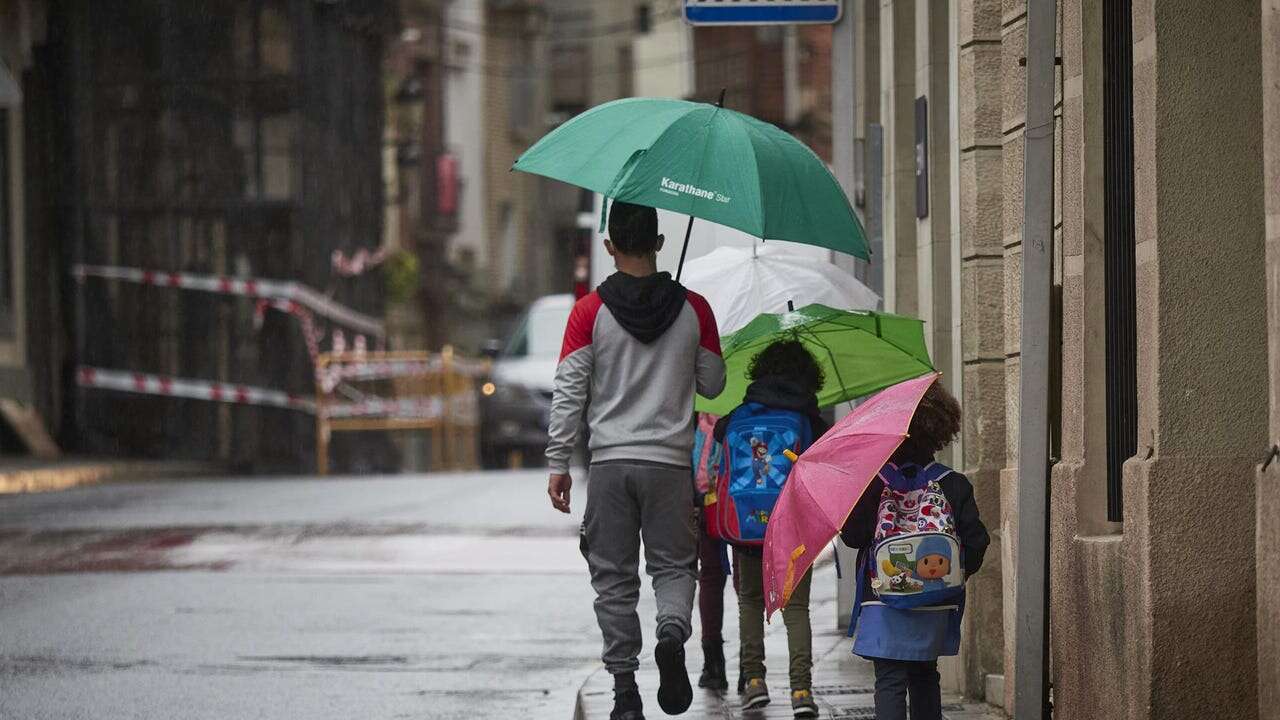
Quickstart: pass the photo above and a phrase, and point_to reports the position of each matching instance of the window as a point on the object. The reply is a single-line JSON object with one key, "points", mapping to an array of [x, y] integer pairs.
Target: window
{"points": [[1120, 269], [644, 18]]}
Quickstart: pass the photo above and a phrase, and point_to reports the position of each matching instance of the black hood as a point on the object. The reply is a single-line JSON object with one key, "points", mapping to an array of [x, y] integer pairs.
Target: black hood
{"points": [[643, 306], [785, 394]]}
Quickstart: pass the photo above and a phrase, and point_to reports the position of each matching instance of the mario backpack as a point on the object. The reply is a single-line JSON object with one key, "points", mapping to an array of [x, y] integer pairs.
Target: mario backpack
{"points": [[753, 471]]}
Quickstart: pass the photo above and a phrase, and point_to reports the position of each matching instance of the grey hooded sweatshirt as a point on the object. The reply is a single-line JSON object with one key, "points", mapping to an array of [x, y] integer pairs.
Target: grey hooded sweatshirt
{"points": [[634, 353]]}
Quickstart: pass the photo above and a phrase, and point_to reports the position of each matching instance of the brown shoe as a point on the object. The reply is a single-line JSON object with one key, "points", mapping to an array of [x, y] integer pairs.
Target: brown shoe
{"points": [[756, 695], [803, 705]]}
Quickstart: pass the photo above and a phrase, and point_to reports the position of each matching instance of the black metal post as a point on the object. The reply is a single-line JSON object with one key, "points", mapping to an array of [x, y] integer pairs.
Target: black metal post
{"points": [[684, 250]]}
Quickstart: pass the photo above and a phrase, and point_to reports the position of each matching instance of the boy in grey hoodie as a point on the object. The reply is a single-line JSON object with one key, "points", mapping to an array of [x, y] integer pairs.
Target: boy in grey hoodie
{"points": [[638, 348]]}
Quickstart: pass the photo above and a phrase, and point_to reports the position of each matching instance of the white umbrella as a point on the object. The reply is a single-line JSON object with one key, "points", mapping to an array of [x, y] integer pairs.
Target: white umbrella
{"points": [[741, 283]]}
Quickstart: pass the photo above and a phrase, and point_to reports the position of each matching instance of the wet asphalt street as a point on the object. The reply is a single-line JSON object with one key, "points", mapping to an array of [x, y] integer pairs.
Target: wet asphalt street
{"points": [[439, 596]]}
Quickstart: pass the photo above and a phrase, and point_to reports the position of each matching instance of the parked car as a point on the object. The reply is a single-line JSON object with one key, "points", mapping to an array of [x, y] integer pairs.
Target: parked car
{"points": [[515, 402]]}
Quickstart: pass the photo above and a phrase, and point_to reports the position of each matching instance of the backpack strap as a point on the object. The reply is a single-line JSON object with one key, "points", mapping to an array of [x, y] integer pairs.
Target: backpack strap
{"points": [[860, 588], [935, 471], [889, 470]]}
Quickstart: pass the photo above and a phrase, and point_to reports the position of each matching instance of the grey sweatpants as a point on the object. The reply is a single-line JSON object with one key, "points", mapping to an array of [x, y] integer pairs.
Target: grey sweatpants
{"points": [[628, 501]]}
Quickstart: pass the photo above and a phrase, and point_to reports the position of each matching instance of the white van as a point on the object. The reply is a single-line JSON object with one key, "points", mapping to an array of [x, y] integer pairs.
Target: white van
{"points": [[515, 403]]}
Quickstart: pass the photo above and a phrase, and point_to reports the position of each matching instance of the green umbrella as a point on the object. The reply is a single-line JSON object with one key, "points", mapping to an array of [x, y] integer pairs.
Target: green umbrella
{"points": [[861, 352], [704, 161]]}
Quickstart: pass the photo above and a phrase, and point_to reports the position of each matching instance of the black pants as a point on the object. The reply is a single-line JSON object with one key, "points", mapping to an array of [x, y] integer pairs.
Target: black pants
{"points": [[896, 679]]}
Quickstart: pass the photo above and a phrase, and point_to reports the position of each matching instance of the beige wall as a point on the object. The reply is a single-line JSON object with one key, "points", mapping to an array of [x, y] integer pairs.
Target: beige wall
{"points": [[1192, 185], [1268, 503]]}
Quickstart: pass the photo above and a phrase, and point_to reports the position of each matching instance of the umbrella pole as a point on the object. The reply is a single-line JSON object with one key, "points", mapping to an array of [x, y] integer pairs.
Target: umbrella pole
{"points": [[684, 250], [843, 390]]}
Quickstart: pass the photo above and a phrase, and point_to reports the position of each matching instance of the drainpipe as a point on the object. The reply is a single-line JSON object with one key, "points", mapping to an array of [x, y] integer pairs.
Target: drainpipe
{"points": [[1030, 592]]}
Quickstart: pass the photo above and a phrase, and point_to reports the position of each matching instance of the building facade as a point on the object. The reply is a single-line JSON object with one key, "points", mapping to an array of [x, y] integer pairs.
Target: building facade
{"points": [[239, 140], [1167, 194], [779, 74]]}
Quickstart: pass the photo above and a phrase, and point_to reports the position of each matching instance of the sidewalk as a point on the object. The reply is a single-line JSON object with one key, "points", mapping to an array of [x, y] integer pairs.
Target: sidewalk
{"points": [[842, 683], [26, 476]]}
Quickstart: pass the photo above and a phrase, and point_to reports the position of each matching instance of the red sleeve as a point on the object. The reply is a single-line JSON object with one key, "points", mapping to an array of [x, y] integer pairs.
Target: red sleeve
{"points": [[582, 322], [708, 333]]}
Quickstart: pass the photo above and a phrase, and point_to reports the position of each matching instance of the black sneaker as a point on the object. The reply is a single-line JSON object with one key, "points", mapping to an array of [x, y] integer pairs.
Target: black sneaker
{"points": [[627, 705], [675, 694], [713, 673]]}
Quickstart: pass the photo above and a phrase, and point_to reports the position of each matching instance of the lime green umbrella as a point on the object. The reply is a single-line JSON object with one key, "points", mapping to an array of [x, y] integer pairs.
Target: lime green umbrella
{"points": [[861, 352], [705, 161]]}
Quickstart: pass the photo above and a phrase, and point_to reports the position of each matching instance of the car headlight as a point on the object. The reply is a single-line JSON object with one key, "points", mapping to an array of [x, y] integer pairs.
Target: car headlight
{"points": [[509, 393]]}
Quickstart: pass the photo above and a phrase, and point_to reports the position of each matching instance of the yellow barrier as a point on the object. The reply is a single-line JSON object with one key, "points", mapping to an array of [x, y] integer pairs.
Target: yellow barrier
{"points": [[382, 391]]}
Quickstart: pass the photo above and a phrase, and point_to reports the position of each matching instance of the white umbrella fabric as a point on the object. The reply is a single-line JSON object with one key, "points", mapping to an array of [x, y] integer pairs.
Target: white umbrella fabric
{"points": [[741, 283]]}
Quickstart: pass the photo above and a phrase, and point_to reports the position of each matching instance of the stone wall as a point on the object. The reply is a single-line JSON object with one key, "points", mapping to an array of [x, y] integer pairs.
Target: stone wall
{"points": [[982, 298], [1091, 564], [1130, 635]]}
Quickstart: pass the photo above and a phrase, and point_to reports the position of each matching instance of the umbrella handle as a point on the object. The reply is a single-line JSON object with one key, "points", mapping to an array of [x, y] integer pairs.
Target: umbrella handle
{"points": [[684, 250], [790, 455], [789, 584]]}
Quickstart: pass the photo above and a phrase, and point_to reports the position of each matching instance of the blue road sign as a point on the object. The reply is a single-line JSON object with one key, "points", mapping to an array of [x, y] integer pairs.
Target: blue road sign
{"points": [[761, 12]]}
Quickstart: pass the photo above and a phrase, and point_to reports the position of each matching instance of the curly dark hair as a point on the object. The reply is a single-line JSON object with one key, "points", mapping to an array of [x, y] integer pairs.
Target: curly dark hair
{"points": [[789, 359], [937, 420]]}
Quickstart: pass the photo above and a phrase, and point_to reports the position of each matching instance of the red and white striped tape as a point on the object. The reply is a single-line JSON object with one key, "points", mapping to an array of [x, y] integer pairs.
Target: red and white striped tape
{"points": [[242, 287], [416, 407], [168, 386], [310, 334], [358, 262]]}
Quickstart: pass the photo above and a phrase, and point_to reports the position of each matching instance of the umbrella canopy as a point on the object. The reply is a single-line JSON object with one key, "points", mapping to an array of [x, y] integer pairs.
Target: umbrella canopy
{"points": [[741, 283], [704, 161], [860, 352], [826, 482]]}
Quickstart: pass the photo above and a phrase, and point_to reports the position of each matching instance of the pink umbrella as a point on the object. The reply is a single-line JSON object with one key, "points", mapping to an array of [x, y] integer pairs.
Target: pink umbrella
{"points": [[827, 480]]}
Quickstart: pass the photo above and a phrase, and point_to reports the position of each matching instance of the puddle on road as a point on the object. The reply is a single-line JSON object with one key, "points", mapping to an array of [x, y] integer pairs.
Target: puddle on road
{"points": [[298, 552], [396, 554]]}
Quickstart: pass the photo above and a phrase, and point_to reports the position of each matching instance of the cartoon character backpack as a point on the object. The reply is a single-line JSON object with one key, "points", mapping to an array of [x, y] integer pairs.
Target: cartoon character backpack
{"points": [[915, 559], [753, 471], [706, 454]]}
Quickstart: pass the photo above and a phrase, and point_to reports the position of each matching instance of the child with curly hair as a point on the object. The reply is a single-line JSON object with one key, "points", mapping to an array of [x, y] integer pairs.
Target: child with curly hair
{"points": [[904, 644], [784, 376]]}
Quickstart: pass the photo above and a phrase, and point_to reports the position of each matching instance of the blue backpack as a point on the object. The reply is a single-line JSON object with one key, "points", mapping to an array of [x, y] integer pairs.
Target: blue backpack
{"points": [[753, 471]]}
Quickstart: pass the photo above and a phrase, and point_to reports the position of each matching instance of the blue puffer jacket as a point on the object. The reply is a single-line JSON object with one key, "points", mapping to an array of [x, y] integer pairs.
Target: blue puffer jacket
{"points": [[920, 634]]}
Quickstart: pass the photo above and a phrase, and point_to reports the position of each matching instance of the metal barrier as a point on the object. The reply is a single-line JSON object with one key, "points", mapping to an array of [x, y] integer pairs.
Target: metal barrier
{"points": [[381, 391]]}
